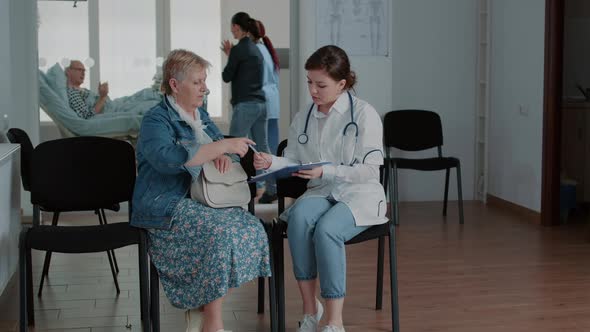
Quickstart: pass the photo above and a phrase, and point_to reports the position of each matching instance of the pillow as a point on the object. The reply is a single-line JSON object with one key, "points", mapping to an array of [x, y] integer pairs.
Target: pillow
{"points": [[56, 78]]}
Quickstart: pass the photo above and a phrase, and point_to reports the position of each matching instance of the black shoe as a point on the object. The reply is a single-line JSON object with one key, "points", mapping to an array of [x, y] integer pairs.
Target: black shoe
{"points": [[267, 198]]}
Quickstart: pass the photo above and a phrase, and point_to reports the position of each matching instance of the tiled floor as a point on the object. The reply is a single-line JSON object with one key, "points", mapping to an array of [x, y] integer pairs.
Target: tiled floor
{"points": [[495, 273]]}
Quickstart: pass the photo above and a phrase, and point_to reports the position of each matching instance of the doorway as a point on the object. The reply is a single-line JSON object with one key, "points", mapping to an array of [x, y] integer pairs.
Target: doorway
{"points": [[566, 120]]}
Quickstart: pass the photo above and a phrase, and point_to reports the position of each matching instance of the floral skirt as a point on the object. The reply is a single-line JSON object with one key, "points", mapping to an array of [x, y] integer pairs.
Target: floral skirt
{"points": [[206, 251]]}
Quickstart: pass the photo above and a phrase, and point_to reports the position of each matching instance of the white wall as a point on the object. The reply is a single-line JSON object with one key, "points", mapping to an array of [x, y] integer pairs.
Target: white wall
{"points": [[5, 61], [432, 66], [515, 140], [18, 64]]}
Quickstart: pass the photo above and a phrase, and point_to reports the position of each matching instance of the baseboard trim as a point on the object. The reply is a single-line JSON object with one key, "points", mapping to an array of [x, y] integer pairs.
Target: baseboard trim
{"points": [[526, 213]]}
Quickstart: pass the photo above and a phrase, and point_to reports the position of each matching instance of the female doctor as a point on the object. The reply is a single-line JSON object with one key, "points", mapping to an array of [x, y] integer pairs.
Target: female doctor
{"points": [[343, 198]]}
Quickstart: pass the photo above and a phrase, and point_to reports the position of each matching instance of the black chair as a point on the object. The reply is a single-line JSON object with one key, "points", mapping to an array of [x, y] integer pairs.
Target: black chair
{"points": [[247, 163], [60, 181], [416, 130], [19, 136], [294, 187]]}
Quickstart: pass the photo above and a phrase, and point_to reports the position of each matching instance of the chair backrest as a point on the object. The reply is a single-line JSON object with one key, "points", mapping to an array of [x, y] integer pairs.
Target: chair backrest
{"points": [[412, 130], [82, 173], [19, 136], [247, 163], [289, 187]]}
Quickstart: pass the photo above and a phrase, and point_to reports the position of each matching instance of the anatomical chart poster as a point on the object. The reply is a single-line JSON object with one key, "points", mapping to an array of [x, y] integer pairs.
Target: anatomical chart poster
{"points": [[360, 27]]}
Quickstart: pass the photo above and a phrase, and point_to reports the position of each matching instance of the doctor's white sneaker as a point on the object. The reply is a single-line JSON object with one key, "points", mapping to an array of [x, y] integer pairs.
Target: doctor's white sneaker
{"points": [[310, 322], [332, 328]]}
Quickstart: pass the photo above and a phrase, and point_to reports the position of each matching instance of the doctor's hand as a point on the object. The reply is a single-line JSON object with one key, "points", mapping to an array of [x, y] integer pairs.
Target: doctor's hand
{"points": [[237, 145], [222, 163], [262, 160], [310, 173]]}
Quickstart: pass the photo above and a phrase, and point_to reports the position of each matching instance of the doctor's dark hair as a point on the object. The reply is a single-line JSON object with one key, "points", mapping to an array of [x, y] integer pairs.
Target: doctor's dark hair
{"points": [[335, 62], [242, 20]]}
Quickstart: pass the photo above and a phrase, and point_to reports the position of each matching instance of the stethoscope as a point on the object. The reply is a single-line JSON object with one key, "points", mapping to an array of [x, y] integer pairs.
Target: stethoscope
{"points": [[303, 138]]}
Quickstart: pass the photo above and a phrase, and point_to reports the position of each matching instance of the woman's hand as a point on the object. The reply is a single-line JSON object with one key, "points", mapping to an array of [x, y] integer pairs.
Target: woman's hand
{"points": [[222, 163], [237, 145], [262, 160], [226, 46], [310, 173]]}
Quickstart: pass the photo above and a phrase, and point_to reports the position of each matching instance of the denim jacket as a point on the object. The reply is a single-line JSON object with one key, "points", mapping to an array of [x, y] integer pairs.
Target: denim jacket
{"points": [[166, 143]]}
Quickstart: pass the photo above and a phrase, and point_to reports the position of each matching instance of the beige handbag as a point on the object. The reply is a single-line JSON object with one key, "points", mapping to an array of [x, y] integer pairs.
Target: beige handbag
{"points": [[221, 190]]}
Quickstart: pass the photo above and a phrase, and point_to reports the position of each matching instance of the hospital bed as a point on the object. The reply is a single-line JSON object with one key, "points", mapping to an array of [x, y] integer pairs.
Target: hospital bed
{"points": [[54, 101]]}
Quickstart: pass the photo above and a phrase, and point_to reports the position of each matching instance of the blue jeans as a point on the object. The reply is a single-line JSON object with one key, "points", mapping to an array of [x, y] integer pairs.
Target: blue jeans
{"points": [[273, 135], [249, 120], [318, 228]]}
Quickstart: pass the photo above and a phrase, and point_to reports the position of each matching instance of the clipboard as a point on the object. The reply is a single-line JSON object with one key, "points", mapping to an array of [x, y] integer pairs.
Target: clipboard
{"points": [[286, 172]]}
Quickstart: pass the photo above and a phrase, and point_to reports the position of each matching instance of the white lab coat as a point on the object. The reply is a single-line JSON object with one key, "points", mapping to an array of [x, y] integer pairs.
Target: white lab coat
{"points": [[358, 185]]}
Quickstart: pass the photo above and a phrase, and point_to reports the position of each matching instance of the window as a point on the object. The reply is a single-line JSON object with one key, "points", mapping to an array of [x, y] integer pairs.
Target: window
{"points": [[63, 36], [127, 45], [196, 26]]}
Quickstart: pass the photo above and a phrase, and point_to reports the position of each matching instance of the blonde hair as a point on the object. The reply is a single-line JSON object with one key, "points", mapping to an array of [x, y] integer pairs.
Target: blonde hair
{"points": [[177, 65]]}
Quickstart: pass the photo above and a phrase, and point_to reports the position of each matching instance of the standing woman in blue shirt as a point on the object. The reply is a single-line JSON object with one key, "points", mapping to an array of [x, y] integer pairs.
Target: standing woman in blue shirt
{"points": [[244, 71], [270, 87]]}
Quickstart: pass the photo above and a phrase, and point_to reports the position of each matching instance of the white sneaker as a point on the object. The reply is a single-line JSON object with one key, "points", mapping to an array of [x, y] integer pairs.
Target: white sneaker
{"points": [[332, 328], [194, 320], [310, 322]]}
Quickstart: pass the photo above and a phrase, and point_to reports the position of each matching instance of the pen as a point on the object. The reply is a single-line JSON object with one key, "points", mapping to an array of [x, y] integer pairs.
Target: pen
{"points": [[253, 148]]}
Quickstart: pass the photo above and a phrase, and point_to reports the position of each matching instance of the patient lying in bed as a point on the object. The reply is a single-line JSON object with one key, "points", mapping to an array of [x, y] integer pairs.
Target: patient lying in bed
{"points": [[87, 103], [118, 117]]}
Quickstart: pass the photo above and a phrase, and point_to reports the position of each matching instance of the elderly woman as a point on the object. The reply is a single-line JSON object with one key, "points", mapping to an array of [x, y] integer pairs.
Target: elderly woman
{"points": [[200, 252]]}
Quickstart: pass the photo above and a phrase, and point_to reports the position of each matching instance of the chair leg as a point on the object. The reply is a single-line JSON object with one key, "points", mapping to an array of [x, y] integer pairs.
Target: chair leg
{"points": [[44, 272], [394, 193], [36, 215], [144, 282], [393, 280], [272, 300], [30, 303], [460, 193], [385, 175], [23, 282], [260, 295], [154, 298], [104, 222], [114, 273], [48, 254], [47, 261], [279, 275], [110, 253], [379, 293], [448, 171]]}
